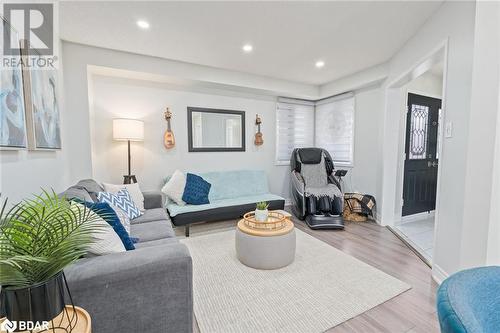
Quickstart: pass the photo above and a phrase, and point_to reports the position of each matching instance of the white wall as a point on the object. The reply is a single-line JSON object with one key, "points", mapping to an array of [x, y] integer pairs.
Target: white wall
{"points": [[427, 84], [165, 83], [26, 172], [493, 255], [477, 222], [467, 227], [454, 23], [82, 60], [363, 176], [118, 97]]}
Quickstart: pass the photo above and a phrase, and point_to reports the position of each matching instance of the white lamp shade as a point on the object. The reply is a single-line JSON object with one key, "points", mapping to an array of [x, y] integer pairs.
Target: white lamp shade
{"points": [[128, 129]]}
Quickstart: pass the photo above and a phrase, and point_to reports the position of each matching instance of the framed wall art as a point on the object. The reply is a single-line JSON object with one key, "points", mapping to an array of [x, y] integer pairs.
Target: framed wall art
{"points": [[13, 130], [43, 115]]}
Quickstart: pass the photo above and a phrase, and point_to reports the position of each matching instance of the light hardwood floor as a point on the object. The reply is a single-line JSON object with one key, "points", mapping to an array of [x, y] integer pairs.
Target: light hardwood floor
{"points": [[413, 311]]}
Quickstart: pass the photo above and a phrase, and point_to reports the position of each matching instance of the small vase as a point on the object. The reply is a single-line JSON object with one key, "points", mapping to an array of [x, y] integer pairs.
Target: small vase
{"points": [[261, 215]]}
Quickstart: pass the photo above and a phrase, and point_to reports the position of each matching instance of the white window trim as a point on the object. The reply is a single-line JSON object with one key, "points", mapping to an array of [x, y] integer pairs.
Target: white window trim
{"points": [[319, 102]]}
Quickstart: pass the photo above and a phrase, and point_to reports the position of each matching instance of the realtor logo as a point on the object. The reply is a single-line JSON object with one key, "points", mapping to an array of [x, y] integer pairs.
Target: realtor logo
{"points": [[34, 23], [8, 326]]}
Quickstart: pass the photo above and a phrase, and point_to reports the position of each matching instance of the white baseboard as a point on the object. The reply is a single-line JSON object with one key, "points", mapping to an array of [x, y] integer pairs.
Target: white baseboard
{"points": [[438, 274], [419, 216]]}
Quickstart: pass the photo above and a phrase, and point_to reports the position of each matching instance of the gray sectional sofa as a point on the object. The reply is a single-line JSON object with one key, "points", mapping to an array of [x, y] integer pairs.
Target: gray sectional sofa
{"points": [[145, 290]]}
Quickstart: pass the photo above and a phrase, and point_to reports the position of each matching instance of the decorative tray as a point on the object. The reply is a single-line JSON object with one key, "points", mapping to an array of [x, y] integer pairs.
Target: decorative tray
{"points": [[275, 221]]}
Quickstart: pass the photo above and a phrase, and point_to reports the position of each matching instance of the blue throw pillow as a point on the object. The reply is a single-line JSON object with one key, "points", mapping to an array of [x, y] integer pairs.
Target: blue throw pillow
{"points": [[196, 190], [107, 213]]}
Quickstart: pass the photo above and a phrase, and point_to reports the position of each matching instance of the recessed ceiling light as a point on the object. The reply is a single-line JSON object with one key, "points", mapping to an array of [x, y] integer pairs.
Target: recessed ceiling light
{"points": [[247, 48], [320, 63], [143, 24]]}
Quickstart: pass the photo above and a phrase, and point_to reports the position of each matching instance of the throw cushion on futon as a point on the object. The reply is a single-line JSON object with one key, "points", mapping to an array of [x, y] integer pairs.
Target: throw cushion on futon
{"points": [[196, 190], [174, 188], [108, 214], [122, 200]]}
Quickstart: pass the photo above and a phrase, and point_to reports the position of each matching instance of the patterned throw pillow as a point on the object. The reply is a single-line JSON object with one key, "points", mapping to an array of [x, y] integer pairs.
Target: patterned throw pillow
{"points": [[196, 190], [122, 200], [124, 219], [133, 189]]}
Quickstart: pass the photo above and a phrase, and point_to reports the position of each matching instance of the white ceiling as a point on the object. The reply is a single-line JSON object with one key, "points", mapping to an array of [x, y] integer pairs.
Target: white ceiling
{"points": [[287, 37]]}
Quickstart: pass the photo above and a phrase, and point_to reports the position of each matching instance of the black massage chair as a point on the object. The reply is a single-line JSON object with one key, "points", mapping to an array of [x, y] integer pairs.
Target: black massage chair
{"points": [[316, 191]]}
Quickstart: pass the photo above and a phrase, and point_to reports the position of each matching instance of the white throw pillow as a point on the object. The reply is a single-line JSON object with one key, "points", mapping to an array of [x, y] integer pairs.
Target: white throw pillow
{"points": [[174, 188], [105, 239], [133, 189]]}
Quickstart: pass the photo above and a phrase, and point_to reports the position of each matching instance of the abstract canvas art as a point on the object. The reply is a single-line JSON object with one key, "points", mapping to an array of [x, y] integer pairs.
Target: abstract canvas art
{"points": [[44, 110], [12, 109]]}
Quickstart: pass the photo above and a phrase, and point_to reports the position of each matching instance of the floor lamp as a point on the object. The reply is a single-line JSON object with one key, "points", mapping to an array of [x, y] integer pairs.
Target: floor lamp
{"points": [[128, 130]]}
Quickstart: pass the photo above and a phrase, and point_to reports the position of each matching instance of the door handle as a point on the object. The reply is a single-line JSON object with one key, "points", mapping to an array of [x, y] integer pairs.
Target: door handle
{"points": [[432, 164]]}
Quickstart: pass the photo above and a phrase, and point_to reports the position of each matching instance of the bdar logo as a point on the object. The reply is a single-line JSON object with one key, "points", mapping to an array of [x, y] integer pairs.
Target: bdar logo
{"points": [[8, 326]]}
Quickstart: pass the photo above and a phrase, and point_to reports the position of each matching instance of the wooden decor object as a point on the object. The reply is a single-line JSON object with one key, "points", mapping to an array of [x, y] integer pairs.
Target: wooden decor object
{"points": [[168, 138], [258, 136], [276, 220], [286, 228], [75, 320]]}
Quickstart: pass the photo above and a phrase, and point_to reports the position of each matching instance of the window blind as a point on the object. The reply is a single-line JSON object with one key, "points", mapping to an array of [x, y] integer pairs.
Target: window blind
{"points": [[294, 128], [335, 128]]}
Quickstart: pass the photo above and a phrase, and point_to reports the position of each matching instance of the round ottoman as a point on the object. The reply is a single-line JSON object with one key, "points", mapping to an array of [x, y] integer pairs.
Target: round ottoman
{"points": [[265, 249]]}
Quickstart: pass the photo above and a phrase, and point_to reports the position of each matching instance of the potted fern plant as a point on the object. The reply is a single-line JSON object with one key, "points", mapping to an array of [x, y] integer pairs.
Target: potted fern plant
{"points": [[261, 212], [39, 237]]}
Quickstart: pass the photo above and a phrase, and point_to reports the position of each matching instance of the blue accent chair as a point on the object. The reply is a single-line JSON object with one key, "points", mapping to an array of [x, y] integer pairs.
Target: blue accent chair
{"points": [[469, 301]]}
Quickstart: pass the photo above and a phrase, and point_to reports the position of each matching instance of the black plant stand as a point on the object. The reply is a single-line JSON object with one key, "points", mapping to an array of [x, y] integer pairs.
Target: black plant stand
{"points": [[72, 320], [65, 321]]}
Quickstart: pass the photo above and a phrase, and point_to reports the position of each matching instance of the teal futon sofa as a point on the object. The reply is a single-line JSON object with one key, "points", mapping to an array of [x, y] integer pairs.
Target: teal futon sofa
{"points": [[232, 194]]}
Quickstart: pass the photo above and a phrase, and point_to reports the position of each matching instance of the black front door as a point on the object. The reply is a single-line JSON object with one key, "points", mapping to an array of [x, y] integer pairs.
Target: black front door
{"points": [[421, 154]]}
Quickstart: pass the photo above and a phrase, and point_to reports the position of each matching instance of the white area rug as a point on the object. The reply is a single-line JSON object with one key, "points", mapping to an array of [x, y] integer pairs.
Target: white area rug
{"points": [[322, 288]]}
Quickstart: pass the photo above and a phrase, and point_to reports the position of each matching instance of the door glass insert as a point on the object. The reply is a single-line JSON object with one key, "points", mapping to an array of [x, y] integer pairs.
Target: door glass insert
{"points": [[418, 132]]}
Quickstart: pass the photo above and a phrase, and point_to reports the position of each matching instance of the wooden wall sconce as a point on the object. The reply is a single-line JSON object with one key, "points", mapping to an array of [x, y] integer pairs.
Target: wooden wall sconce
{"points": [[258, 136], [168, 137]]}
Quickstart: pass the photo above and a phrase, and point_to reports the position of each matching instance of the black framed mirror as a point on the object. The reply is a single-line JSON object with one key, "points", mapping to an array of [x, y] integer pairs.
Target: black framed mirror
{"points": [[215, 130]]}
